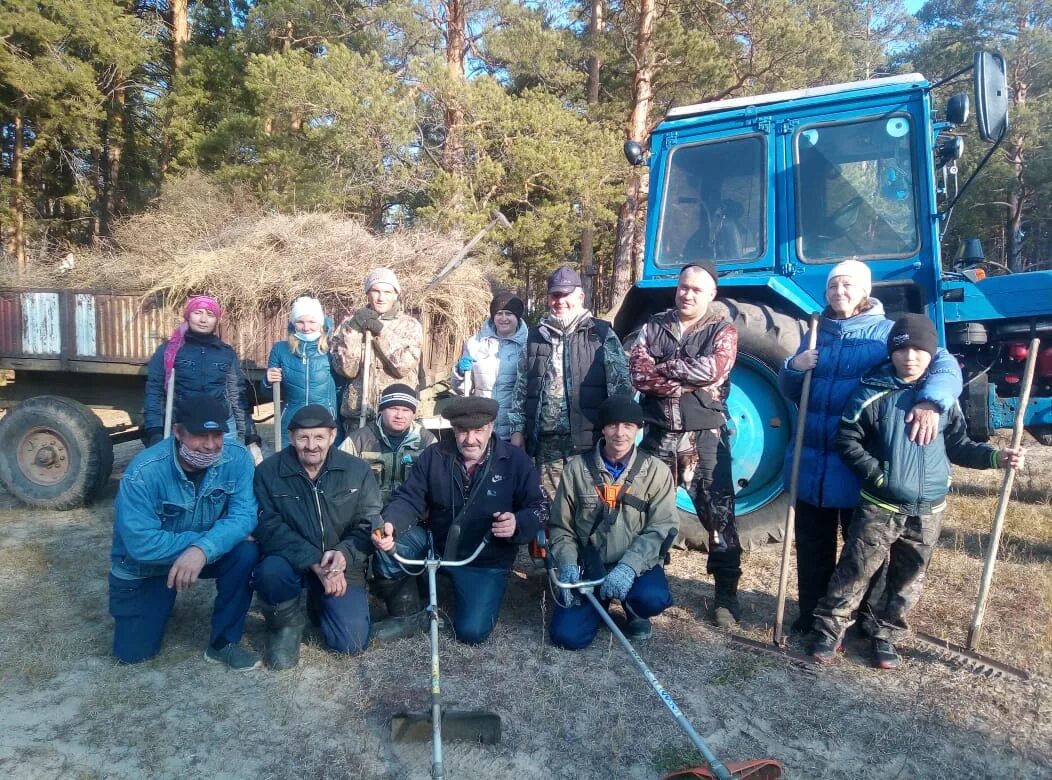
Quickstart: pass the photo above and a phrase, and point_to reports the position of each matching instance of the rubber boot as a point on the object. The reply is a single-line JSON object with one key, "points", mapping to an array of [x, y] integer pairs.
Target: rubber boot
{"points": [[405, 610], [638, 628], [285, 622], [727, 610]]}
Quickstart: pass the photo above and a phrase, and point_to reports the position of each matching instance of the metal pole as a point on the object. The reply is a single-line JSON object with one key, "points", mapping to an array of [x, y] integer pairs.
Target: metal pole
{"points": [[169, 402], [794, 480], [437, 770], [975, 630], [277, 416], [714, 763], [367, 364]]}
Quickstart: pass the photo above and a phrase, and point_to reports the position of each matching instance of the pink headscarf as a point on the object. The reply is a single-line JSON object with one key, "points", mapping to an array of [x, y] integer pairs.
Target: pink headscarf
{"points": [[178, 337]]}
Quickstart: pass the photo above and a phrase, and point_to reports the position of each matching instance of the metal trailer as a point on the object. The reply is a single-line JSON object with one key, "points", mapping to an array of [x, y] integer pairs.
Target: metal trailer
{"points": [[776, 188]]}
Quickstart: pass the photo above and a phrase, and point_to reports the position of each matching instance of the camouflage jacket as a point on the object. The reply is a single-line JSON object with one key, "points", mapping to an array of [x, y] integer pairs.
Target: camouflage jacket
{"points": [[389, 465], [396, 358]]}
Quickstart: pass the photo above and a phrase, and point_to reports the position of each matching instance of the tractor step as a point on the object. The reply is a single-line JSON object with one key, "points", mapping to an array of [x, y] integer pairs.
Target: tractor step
{"points": [[974, 662]]}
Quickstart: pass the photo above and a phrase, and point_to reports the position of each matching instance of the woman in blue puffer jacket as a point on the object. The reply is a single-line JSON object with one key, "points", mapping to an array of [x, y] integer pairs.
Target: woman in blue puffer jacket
{"points": [[852, 339], [302, 363], [489, 365]]}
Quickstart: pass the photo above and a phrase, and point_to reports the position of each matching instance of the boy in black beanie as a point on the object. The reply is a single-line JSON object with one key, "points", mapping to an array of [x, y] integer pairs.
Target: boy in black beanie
{"points": [[903, 495]]}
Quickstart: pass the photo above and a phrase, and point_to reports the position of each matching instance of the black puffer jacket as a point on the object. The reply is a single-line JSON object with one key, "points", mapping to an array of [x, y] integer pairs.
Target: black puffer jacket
{"points": [[206, 365], [300, 519], [873, 440]]}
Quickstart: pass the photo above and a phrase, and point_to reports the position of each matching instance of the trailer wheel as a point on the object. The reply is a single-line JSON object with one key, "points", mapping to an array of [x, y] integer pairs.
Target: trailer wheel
{"points": [[54, 453], [762, 421]]}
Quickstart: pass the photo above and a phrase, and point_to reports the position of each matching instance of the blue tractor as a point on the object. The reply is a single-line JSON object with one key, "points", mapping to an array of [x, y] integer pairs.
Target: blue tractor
{"points": [[776, 188]]}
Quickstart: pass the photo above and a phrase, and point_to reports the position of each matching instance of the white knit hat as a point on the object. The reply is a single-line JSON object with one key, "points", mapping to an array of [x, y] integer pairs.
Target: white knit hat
{"points": [[857, 271], [381, 276], [306, 306]]}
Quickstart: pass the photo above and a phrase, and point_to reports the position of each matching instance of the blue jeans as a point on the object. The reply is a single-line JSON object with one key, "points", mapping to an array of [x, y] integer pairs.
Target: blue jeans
{"points": [[477, 592], [344, 619], [574, 628], [141, 607]]}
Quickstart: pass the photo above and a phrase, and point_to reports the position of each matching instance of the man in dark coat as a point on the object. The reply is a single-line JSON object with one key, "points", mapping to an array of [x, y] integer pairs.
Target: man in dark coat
{"points": [[316, 508], [476, 485]]}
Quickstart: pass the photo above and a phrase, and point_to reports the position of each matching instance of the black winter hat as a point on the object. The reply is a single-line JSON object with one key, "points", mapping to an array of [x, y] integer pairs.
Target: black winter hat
{"points": [[618, 409], [913, 330], [201, 414], [471, 412], [507, 302], [707, 266], [399, 395], [312, 416]]}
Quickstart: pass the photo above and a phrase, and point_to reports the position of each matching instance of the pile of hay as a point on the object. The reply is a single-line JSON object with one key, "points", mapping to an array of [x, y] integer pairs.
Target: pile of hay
{"points": [[202, 238]]}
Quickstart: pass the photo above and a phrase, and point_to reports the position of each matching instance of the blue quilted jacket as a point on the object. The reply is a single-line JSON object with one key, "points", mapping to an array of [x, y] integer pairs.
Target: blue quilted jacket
{"points": [[306, 378], [847, 350]]}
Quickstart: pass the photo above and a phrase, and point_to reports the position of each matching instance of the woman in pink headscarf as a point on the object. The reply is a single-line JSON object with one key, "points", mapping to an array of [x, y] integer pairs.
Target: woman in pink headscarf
{"points": [[202, 363]]}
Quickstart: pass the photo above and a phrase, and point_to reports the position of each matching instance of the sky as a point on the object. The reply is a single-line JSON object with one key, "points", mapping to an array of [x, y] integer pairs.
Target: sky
{"points": [[914, 5]]}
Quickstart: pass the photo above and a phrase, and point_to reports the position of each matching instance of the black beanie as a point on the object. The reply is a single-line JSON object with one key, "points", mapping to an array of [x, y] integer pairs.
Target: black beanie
{"points": [[707, 266], [619, 409], [399, 395], [507, 302], [913, 330]]}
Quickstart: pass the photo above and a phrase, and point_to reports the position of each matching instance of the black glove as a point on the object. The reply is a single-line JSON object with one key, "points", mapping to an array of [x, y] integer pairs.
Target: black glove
{"points": [[253, 438], [153, 436], [365, 319]]}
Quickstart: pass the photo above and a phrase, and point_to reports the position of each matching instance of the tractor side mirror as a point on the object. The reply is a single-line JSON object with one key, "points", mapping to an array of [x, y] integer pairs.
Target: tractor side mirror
{"points": [[634, 153], [991, 95], [957, 109]]}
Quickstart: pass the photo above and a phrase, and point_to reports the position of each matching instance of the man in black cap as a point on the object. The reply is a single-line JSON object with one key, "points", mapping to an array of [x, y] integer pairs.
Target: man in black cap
{"points": [[681, 364], [317, 506], [464, 489], [614, 517], [568, 349], [184, 512]]}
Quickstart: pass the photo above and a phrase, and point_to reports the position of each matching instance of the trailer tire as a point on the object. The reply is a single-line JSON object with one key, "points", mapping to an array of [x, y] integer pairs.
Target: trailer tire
{"points": [[54, 453]]}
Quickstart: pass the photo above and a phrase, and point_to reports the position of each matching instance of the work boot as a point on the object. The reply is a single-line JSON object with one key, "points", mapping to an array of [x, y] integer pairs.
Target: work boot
{"points": [[824, 649], [637, 628], [285, 622], [884, 655], [727, 609], [802, 624], [405, 610]]}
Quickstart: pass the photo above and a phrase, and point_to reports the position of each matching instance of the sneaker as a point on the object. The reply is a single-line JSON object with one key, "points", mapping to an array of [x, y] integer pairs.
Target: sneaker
{"points": [[884, 655], [824, 650], [235, 656]]}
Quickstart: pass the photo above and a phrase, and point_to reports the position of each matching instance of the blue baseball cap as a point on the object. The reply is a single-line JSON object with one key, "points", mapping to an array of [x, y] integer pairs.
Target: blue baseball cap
{"points": [[564, 280], [200, 414]]}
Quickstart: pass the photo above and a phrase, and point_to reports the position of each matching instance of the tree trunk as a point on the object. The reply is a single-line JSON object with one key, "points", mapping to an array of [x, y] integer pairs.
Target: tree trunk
{"points": [[180, 32], [16, 244], [456, 39], [113, 146], [625, 261], [595, 26], [1016, 154]]}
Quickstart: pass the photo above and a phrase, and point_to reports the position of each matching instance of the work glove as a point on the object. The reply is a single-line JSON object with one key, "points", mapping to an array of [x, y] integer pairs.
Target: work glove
{"points": [[464, 364], [618, 582], [569, 573], [365, 319]]}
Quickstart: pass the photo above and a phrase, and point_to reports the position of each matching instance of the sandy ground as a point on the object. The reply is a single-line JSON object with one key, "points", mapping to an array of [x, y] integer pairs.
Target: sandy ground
{"points": [[69, 711]]}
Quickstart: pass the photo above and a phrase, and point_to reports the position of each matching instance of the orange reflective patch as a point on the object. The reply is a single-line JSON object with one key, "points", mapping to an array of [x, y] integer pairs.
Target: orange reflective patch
{"points": [[608, 494]]}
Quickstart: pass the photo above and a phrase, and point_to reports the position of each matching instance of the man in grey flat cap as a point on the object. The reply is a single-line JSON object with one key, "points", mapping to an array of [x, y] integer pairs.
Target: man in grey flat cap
{"points": [[477, 484]]}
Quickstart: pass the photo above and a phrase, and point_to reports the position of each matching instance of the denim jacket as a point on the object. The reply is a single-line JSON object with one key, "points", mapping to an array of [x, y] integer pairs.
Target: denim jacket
{"points": [[159, 512]]}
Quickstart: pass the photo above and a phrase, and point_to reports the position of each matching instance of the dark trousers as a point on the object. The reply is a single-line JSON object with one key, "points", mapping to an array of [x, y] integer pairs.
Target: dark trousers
{"points": [[876, 535], [344, 619], [575, 627], [701, 461], [141, 607], [477, 592]]}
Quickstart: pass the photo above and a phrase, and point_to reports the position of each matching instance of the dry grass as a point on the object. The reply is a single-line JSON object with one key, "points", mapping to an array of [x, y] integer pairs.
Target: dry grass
{"points": [[202, 238], [69, 711]]}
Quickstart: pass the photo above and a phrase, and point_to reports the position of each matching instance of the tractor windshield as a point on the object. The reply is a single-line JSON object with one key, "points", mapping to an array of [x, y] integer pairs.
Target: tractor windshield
{"points": [[854, 190], [714, 202]]}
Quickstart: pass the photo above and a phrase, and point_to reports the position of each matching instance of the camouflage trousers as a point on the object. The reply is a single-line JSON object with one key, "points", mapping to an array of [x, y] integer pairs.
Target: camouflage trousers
{"points": [[700, 461], [878, 534], [553, 450]]}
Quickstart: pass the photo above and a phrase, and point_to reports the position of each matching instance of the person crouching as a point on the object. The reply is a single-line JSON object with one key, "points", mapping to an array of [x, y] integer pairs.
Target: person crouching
{"points": [[615, 516]]}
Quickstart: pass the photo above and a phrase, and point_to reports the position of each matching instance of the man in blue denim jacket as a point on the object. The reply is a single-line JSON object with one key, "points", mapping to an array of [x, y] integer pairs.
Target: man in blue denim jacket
{"points": [[184, 511]]}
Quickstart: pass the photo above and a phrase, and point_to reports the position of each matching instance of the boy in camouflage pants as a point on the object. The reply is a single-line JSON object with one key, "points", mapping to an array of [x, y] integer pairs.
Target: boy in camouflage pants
{"points": [[903, 495]]}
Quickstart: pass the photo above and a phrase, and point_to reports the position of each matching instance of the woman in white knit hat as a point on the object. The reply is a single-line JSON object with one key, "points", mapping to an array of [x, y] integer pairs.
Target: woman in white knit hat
{"points": [[302, 363], [852, 339]]}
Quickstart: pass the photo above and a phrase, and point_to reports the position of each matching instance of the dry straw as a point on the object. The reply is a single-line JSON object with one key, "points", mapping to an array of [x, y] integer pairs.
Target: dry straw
{"points": [[203, 238]]}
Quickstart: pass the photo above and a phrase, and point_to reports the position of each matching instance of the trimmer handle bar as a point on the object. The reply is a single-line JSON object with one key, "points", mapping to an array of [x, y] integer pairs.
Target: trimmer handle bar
{"points": [[439, 562]]}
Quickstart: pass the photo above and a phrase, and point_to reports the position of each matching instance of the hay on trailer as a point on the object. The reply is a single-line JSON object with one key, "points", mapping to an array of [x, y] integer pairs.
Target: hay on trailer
{"points": [[203, 238]]}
